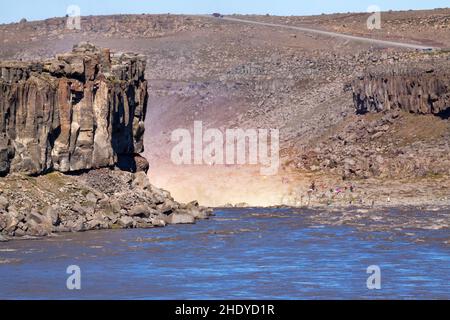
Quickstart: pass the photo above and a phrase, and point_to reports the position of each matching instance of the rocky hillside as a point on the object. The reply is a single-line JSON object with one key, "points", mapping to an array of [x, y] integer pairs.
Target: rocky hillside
{"points": [[125, 26], [399, 127], [229, 74], [429, 27]]}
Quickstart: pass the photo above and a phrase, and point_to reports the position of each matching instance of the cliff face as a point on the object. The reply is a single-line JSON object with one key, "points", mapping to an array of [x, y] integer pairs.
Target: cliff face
{"points": [[424, 90], [82, 110]]}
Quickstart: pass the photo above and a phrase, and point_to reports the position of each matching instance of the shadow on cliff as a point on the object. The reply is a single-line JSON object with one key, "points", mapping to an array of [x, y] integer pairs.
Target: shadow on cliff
{"points": [[444, 114], [133, 163], [126, 162]]}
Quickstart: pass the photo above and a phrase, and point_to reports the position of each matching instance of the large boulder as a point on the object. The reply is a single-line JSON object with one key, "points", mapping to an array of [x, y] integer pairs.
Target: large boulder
{"points": [[140, 211], [39, 224], [4, 203], [177, 218], [3, 238]]}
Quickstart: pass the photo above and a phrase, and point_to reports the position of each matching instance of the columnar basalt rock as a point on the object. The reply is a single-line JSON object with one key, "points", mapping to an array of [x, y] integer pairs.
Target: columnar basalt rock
{"points": [[82, 110], [420, 90]]}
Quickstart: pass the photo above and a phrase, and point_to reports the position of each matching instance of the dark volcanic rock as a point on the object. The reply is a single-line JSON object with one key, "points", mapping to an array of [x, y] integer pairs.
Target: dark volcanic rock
{"points": [[81, 110], [421, 90]]}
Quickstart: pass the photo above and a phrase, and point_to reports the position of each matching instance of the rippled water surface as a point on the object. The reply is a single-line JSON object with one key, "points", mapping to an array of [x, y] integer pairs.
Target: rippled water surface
{"points": [[238, 254]]}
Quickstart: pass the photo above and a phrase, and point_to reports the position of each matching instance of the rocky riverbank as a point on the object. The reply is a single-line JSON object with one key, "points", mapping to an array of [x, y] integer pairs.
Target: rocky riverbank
{"points": [[40, 206]]}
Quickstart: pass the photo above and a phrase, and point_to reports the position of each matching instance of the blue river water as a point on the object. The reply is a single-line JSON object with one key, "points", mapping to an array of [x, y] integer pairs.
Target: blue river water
{"points": [[238, 254]]}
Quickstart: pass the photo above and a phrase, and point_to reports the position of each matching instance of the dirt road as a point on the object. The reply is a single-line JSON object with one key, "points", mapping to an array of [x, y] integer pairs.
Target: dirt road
{"points": [[383, 43]]}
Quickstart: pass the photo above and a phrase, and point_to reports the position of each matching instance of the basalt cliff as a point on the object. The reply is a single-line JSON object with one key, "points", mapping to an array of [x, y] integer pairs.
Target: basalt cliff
{"points": [[421, 89], [71, 130], [79, 111]]}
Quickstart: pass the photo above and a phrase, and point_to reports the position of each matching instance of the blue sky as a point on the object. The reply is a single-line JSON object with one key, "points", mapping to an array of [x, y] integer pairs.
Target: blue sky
{"points": [[12, 11]]}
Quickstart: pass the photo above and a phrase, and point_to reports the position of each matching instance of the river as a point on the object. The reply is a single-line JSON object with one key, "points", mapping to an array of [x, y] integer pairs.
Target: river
{"points": [[237, 254]]}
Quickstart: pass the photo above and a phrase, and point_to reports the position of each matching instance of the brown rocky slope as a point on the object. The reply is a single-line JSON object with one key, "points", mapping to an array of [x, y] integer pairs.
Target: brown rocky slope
{"points": [[230, 74]]}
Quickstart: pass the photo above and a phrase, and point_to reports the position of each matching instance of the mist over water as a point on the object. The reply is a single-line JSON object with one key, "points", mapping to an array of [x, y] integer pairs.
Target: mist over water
{"points": [[238, 254]]}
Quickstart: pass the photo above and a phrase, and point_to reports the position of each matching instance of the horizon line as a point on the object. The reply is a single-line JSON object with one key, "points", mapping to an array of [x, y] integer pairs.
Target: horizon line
{"points": [[225, 14]]}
